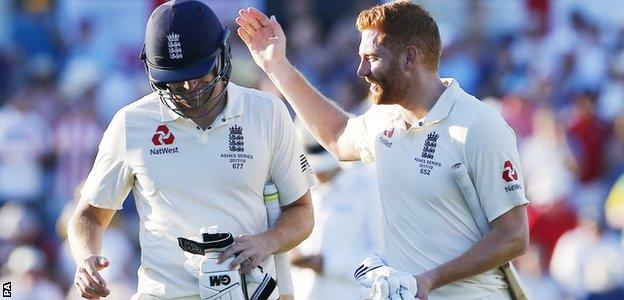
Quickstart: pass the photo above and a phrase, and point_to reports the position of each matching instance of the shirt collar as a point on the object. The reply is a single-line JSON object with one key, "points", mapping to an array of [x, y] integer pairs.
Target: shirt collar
{"points": [[233, 107], [443, 105]]}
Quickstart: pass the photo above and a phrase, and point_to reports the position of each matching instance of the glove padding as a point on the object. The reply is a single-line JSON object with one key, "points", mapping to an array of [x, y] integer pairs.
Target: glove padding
{"points": [[378, 281], [218, 282]]}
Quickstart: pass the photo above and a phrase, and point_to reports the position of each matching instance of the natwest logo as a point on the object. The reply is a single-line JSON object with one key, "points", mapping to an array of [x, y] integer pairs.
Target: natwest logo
{"points": [[389, 132], [162, 136], [509, 173]]}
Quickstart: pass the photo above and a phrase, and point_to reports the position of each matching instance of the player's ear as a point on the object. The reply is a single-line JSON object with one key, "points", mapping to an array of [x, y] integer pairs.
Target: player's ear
{"points": [[412, 55]]}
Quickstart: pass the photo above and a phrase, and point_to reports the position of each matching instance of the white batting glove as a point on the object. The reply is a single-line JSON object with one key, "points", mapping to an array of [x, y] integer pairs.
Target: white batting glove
{"points": [[378, 281], [407, 284]]}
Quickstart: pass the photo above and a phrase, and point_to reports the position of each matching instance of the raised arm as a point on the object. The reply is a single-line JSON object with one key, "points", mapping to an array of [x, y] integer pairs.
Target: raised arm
{"points": [[266, 42]]}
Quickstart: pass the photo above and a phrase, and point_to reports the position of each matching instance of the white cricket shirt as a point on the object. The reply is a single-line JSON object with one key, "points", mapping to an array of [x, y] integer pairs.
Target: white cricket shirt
{"points": [[184, 178], [426, 220]]}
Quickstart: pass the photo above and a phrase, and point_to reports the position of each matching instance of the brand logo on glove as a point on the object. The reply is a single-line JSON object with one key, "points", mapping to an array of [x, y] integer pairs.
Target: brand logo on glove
{"points": [[220, 280]]}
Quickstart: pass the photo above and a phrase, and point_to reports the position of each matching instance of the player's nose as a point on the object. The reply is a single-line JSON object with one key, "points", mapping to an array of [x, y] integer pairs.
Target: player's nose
{"points": [[191, 84], [364, 68]]}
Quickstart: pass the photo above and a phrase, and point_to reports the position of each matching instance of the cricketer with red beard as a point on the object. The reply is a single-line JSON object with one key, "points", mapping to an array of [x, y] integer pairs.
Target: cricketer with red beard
{"points": [[419, 127]]}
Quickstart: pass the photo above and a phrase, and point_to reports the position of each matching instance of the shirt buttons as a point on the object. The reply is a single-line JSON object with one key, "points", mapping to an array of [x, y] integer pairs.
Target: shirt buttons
{"points": [[421, 123], [223, 120], [197, 127], [209, 127]]}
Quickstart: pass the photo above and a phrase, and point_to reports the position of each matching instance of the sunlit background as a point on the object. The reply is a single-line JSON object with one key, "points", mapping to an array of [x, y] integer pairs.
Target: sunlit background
{"points": [[555, 70]]}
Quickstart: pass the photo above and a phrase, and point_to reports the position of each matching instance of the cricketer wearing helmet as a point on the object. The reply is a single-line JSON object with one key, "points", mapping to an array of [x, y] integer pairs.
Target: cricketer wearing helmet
{"points": [[195, 152], [420, 126]]}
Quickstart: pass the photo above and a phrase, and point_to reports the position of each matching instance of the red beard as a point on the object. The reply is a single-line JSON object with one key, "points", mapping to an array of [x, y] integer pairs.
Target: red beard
{"points": [[389, 88]]}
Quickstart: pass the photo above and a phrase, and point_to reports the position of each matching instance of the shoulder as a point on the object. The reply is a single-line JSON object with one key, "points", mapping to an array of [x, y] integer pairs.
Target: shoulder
{"points": [[147, 106], [480, 117], [381, 116], [388, 111]]}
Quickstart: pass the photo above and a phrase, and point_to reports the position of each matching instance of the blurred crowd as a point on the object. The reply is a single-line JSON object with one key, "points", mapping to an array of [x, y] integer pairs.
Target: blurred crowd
{"points": [[555, 70]]}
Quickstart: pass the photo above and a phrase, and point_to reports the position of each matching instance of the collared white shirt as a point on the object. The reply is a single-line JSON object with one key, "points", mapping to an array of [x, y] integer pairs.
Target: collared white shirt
{"points": [[426, 220], [184, 177]]}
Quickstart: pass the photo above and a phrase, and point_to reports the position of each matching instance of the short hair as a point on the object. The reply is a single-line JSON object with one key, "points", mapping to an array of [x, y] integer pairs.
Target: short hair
{"points": [[402, 23]]}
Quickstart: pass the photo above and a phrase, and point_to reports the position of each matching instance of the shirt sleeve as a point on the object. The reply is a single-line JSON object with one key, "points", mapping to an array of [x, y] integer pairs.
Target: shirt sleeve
{"points": [[494, 165], [290, 169], [362, 130], [110, 179]]}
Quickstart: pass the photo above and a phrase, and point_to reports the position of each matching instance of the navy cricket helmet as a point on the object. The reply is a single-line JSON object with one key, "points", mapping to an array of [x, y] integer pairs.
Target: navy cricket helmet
{"points": [[184, 40]]}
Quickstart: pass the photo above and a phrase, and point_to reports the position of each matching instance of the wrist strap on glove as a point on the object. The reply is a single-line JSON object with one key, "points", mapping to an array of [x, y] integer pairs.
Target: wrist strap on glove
{"points": [[266, 284], [369, 264], [211, 241]]}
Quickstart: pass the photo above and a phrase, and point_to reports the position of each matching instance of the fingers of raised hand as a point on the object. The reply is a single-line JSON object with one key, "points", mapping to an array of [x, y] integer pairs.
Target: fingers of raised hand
{"points": [[244, 24], [252, 20], [244, 35], [258, 15], [247, 22]]}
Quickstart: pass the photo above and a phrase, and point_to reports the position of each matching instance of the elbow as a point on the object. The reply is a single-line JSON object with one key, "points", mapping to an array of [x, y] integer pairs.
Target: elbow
{"points": [[520, 243], [309, 222], [303, 216], [333, 149], [72, 222]]}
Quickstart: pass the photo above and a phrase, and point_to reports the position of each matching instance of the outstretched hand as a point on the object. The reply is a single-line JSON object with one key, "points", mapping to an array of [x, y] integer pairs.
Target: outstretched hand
{"points": [[88, 280], [263, 36]]}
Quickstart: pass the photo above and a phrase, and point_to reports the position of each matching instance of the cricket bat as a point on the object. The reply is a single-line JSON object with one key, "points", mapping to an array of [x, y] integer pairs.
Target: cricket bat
{"points": [[468, 190], [282, 266]]}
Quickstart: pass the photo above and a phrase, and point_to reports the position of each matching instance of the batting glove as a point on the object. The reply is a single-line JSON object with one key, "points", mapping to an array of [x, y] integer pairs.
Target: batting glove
{"points": [[378, 281]]}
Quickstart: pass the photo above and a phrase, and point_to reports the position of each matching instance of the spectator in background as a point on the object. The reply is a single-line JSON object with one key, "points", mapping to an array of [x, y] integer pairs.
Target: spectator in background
{"points": [[615, 149], [588, 137], [75, 142], [614, 208], [611, 101], [25, 142], [25, 270], [588, 260], [5, 74], [548, 163], [535, 276], [19, 225], [307, 51], [34, 30], [347, 213]]}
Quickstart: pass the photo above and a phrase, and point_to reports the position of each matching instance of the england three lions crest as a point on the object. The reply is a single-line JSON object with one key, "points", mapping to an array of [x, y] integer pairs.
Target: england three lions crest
{"points": [[236, 140], [430, 145], [174, 46]]}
